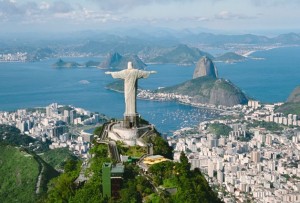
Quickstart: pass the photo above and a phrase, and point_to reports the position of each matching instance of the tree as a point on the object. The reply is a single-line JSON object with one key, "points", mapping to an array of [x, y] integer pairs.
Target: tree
{"points": [[184, 166], [98, 130]]}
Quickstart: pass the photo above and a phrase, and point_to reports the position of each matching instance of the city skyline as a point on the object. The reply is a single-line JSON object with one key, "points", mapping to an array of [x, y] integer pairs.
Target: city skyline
{"points": [[229, 16]]}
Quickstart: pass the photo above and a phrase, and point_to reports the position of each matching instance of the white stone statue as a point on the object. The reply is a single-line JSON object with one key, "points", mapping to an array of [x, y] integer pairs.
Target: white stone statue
{"points": [[130, 77]]}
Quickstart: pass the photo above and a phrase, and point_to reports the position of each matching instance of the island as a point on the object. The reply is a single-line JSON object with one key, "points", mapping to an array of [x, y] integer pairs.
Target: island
{"points": [[66, 64], [118, 61], [230, 57]]}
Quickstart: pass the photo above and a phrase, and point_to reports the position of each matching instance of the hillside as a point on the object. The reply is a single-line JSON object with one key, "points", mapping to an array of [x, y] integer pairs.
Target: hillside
{"points": [[230, 57], [289, 108], [24, 175], [19, 172], [294, 96], [292, 106], [117, 61], [181, 54], [58, 157], [11, 136], [210, 91]]}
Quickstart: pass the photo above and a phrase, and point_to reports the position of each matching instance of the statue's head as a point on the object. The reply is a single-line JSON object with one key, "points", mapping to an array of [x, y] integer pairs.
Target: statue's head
{"points": [[130, 65]]}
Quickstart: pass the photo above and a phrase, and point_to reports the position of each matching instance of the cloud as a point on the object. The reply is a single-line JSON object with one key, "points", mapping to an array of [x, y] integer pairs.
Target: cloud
{"points": [[275, 3], [60, 7], [9, 9], [201, 19], [114, 5], [37, 12], [227, 15]]}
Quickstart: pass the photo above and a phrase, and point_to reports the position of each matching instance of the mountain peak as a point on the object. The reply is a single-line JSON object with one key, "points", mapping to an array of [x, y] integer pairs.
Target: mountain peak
{"points": [[205, 67], [117, 61]]}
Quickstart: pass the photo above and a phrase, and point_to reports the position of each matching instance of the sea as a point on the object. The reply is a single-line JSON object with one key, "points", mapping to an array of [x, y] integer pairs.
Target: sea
{"points": [[270, 78]]}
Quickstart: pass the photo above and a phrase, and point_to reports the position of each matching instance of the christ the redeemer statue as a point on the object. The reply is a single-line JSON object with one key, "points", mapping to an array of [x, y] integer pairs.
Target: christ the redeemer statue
{"points": [[130, 77]]}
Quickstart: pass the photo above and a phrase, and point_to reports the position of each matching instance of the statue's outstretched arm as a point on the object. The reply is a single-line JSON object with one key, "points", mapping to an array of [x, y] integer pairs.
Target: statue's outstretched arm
{"points": [[108, 72], [153, 72]]}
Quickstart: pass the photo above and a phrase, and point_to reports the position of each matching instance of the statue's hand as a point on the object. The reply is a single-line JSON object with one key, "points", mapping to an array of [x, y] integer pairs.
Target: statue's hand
{"points": [[108, 72], [153, 72]]}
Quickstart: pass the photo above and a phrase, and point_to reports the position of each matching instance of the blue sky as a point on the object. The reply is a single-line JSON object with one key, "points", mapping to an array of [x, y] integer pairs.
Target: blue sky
{"points": [[236, 16]]}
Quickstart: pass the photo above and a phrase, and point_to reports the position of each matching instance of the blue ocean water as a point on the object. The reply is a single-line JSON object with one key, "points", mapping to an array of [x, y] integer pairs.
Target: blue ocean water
{"points": [[269, 80], [24, 85]]}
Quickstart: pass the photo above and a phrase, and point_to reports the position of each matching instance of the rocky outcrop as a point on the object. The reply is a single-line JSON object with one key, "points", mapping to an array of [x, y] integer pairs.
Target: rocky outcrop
{"points": [[209, 90], [117, 61], [205, 67]]}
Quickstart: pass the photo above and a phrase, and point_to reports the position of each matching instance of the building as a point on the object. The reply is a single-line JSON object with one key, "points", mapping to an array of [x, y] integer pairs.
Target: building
{"points": [[210, 169], [72, 116], [87, 137], [255, 156], [220, 176], [112, 178]]}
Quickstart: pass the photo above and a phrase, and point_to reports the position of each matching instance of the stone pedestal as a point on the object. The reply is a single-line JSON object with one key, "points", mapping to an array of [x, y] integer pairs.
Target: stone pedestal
{"points": [[131, 120], [130, 136]]}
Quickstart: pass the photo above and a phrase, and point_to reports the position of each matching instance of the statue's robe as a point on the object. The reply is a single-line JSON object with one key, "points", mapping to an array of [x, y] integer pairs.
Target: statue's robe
{"points": [[130, 77]]}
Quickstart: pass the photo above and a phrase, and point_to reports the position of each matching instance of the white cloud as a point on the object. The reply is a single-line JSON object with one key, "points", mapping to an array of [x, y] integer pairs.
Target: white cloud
{"points": [[275, 3], [32, 12], [176, 13], [44, 6], [227, 15]]}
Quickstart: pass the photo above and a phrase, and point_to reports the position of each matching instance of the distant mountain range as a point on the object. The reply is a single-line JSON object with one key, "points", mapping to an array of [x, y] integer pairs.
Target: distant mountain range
{"points": [[216, 40], [160, 46]]}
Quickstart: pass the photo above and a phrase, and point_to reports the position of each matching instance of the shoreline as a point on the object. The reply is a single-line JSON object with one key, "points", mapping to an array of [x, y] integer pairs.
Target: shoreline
{"points": [[199, 106], [249, 53]]}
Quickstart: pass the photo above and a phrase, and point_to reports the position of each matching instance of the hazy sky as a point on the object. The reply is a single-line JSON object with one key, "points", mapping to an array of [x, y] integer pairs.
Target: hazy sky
{"points": [[223, 15]]}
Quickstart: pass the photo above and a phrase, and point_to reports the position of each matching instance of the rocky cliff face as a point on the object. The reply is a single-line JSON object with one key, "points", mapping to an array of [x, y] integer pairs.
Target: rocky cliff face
{"points": [[205, 67], [294, 96], [209, 90]]}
